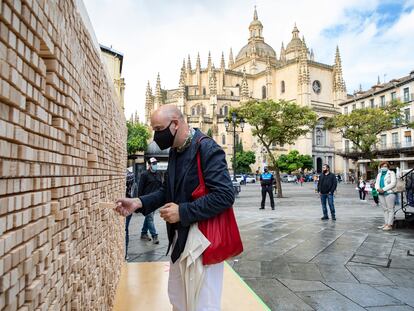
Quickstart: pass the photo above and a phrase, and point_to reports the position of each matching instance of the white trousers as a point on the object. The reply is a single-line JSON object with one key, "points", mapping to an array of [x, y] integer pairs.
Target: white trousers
{"points": [[210, 293], [388, 205]]}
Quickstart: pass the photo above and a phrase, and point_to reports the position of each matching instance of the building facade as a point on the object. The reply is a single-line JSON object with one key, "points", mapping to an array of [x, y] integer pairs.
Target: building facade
{"points": [[114, 61], [395, 145], [206, 94]]}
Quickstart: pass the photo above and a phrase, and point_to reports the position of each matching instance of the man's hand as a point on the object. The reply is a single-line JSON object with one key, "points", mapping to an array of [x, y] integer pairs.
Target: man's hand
{"points": [[126, 206], [170, 213], [380, 190]]}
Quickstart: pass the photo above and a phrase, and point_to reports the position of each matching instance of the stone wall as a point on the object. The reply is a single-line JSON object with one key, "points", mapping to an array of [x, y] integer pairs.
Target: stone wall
{"points": [[62, 151]]}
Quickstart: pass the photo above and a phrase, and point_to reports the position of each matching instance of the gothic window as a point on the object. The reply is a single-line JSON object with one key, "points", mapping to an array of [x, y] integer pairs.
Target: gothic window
{"points": [[231, 93], [193, 112], [263, 92], [198, 110], [223, 140], [204, 91], [203, 110], [282, 86], [225, 110]]}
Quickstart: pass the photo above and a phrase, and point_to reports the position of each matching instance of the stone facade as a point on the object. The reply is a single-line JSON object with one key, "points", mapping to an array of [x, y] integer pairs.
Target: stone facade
{"points": [[205, 94], [62, 153], [396, 145]]}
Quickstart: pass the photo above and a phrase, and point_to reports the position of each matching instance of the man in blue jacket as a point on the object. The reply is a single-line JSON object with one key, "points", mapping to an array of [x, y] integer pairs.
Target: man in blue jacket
{"points": [[174, 198], [266, 181]]}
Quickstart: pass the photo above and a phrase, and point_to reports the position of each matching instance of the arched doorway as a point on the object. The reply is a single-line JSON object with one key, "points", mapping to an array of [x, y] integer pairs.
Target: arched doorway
{"points": [[318, 165]]}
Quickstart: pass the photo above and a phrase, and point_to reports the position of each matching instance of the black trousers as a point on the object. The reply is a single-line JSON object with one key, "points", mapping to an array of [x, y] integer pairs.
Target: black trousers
{"points": [[267, 189], [362, 194]]}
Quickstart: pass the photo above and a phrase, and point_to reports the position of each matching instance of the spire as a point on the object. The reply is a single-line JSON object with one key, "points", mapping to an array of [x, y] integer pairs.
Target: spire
{"points": [[303, 74], [198, 63], [312, 56], [209, 60], [189, 63], [339, 83], [378, 81], [282, 53], [158, 93], [149, 105], [231, 59], [222, 62], [255, 28], [244, 86], [303, 41], [182, 74], [212, 83], [295, 32]]}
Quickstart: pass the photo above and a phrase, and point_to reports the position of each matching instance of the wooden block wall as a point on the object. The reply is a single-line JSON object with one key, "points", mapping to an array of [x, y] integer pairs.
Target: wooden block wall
{"points": [[62, 151]]}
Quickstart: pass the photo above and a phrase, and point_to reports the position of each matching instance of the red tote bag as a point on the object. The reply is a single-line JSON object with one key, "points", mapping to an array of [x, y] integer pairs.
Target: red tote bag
{"points": [[222, 230]]}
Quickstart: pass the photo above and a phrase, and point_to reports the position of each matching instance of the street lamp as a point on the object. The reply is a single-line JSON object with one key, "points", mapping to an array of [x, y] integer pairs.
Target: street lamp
{"points": [[234, 121]]}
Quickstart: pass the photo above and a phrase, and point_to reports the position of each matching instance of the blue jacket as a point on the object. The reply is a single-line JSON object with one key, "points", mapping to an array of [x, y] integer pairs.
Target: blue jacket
{"points": [[217, 180], [266, 179]]}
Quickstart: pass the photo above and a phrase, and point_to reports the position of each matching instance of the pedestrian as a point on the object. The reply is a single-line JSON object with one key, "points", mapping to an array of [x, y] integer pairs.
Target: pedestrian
{"points": [[150, 181], [326, 188], [266, 181], [361, 189], [339, 178], [315, 182], [301, 180], [129, 194], [188, 154], [385, 182]]}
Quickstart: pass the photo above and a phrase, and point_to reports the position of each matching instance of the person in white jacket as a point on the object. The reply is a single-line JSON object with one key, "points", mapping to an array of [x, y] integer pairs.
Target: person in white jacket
{"points": [[385, 183]]}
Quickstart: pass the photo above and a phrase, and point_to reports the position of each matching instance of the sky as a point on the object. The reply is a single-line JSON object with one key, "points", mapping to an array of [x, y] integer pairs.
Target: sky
{"points": [[375, 38]]}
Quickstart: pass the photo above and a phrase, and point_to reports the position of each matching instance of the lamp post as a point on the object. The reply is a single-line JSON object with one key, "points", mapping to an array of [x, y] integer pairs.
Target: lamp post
{"points": [[234, 120]]}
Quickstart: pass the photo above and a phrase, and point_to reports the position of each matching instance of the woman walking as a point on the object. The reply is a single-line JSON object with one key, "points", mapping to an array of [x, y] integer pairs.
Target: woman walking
{"points": [[361, 188], [386, 181]]}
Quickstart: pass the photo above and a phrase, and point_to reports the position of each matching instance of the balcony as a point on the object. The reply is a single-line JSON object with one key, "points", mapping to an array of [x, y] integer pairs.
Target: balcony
{"points": [[228, 97], [199, 118], [379, 149], [198, 97]]}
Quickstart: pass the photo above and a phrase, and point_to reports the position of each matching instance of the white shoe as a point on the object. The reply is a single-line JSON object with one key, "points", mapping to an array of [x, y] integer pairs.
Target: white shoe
{"points": [[381, 227], [387, 228]]}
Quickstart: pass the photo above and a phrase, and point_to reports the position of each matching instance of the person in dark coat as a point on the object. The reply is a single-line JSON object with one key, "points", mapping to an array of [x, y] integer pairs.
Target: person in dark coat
{"points": [[150, 181], [326, 188], [178, 209]]}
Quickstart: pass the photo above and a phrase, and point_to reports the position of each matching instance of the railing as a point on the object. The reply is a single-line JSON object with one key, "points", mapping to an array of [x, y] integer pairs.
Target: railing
{"points": [[396, 146], [198, 97], [408, 202], [228, 97]]}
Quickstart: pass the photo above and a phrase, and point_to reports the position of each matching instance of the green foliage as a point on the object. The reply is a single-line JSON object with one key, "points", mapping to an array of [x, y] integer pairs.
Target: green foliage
{"points": [[210, 133], [277, 122], [293, 161], [138, 135], [363, 126], [243, 161]]}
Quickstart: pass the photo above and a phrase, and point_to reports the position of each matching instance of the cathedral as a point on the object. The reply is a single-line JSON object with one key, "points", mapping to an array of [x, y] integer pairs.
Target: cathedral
{"points": [[205, 94]]}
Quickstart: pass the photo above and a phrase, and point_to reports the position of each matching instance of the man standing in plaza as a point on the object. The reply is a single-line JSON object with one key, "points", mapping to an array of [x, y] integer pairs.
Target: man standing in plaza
{"points": [[266, 181], [150, 181], [175, 198], [326, 188]]}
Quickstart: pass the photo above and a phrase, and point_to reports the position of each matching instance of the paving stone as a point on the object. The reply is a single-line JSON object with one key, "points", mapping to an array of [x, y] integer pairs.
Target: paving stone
{"points": [[309, 272], [277, 296], [400, 277], [364, 295], [368, 275], [391, 308], [375, 261], [303, 286], [403, 294], [336, 273], [329, 301]]}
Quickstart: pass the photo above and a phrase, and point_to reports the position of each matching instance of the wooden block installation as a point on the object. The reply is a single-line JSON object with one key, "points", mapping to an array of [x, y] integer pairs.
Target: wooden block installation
{"points": [[62, 162]]}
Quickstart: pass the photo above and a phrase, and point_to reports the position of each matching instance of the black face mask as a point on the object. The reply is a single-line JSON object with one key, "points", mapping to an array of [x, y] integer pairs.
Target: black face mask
{"points": [[164, 138]]}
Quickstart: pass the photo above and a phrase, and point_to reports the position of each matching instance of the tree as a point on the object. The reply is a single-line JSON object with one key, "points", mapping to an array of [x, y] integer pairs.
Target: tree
{"points": [[293, 161], [138, 135], [363, 126], [243, 161], [277, 123]]}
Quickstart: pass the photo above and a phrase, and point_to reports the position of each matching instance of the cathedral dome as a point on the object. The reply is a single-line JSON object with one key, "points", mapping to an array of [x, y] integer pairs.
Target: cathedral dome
{"points": [[259, 48]]}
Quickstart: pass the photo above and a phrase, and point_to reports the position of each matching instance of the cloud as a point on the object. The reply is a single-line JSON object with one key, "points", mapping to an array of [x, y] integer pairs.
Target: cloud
{"points": [[375, 37]]}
